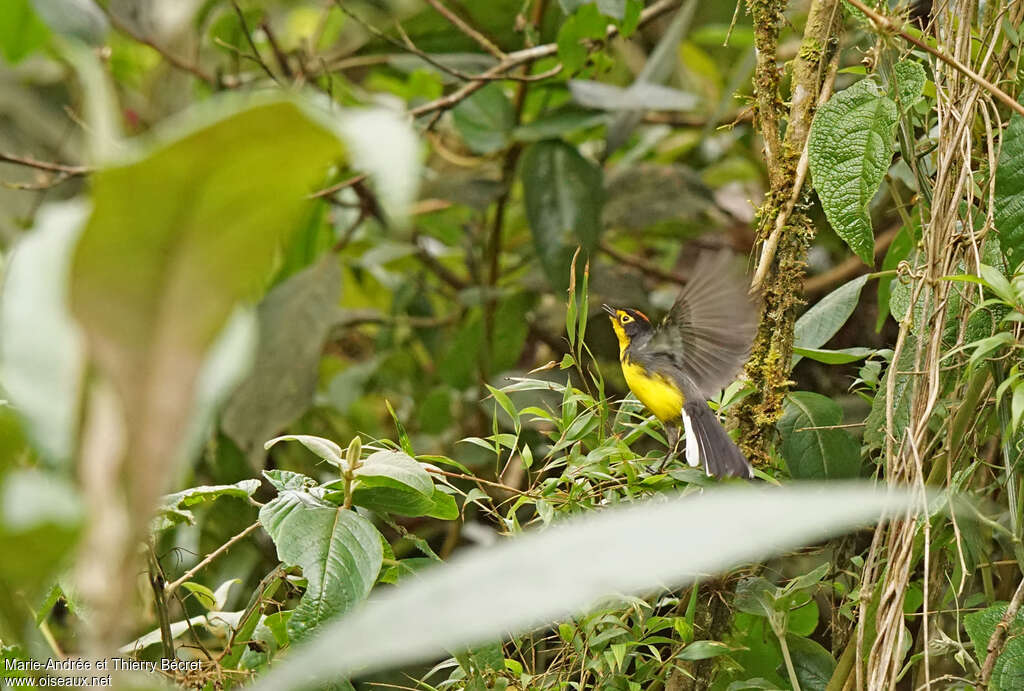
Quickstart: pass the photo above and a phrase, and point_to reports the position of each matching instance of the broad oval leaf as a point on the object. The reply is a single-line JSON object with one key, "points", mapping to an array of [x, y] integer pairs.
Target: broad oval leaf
{"points": [[1008, 205], [909, 78], [850, 147], [522, 583], [175, 271], [339, 551], [816, 454], [397, 467], [820, 323], [294, 320], [563, 196], [1008, 672], [485, 119]]}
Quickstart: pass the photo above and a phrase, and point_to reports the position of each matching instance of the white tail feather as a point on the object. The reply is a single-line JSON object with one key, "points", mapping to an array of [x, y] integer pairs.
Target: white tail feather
{"points": [[692, 445]]}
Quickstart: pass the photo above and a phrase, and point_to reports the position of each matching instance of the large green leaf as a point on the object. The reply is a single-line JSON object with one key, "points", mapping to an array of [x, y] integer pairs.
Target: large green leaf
{"points": [[816, 454], [1009, 202], [850, 147], [339, 551], [1008, 673], [294, 320], [485, 119], [563, 198], [40, 349], [817, 325], [908, 81], [813, 664], [395, 467], [486, 593], [175, 240]]}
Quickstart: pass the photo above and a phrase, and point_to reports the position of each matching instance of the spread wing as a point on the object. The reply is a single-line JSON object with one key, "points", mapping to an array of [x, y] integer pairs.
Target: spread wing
{"points": [[709, 330]]}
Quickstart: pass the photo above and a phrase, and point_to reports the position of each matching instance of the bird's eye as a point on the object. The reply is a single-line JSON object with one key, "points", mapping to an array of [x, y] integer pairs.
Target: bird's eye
{"points": [[626, 319]]}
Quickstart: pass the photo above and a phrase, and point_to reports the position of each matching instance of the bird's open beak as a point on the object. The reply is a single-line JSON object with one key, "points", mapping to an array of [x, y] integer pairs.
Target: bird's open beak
{"points": [[609, 310]]}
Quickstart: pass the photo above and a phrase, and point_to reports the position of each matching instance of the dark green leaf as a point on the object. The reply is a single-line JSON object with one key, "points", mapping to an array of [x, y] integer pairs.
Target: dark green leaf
{"points": [[816, 454], [294, 320], [833, 357], [563, 198], [820, 323], [851, 146], [1008, 205], [485, 119], [813, 664], [339, 552], [909, 78], [703, 650]]}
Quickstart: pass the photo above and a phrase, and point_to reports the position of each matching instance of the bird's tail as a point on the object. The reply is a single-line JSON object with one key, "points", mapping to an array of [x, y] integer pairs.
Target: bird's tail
{"points": [[708, 444]]}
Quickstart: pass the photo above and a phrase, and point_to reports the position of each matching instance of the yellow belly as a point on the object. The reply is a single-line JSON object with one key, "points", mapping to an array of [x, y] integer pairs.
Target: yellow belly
{"points": [[656, 392]]}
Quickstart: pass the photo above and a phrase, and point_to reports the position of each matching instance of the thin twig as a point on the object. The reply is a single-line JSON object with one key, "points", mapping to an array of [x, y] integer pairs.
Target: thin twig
{"points": [[528, 55], [279, 55], [473, 478], [328, 191], [156, 582], [643, 265], [252, 44], [48, 166], [886, 24], [998, 639], [460, 24], [181, 64], [174, 585]]}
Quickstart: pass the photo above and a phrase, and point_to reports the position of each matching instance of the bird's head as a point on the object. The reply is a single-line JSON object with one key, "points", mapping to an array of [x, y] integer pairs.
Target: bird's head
{"points": [[628, 324]]}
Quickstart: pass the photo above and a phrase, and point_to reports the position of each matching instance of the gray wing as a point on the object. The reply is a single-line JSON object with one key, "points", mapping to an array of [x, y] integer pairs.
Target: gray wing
{"points": [[708, 333]]}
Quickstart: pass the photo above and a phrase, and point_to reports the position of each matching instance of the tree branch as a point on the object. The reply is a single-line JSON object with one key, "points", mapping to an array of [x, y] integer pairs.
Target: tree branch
{"points": [[465, 28], [998, 640], [886, 24], [174, 585]]}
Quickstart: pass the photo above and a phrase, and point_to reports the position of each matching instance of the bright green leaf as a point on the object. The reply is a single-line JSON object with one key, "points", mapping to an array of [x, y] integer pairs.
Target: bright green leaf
{"points": [[21, 30], [397, 467], [820, 323], [339, 552], [1008, 205], [851, 146]]}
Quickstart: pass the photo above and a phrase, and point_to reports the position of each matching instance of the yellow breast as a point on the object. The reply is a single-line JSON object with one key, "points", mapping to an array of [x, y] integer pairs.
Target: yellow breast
{"points": [[656, 392]]}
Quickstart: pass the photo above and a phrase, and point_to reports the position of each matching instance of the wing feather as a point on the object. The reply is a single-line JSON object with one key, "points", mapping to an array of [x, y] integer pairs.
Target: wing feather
{"points": [[708, 333]]}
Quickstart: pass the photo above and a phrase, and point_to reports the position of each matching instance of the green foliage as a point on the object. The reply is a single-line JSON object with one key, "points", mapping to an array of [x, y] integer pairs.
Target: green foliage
{"points": [[850, 147], [562, 198], [1008, 672], [339, 552], [485, 119], [821, 322], [1009, 193], [21, 30], [294, 320], [813, 446]]}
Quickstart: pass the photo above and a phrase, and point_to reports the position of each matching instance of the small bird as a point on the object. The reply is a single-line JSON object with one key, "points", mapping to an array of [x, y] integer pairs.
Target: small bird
{"points": [[697, 350]]}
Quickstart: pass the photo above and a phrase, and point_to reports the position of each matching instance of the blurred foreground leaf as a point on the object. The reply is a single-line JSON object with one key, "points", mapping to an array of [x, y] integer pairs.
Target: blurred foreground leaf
{"points": [[526, 582]]}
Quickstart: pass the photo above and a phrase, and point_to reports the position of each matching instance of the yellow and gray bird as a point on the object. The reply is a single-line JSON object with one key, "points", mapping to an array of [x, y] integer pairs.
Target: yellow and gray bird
{"points": [[698, 349]]}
